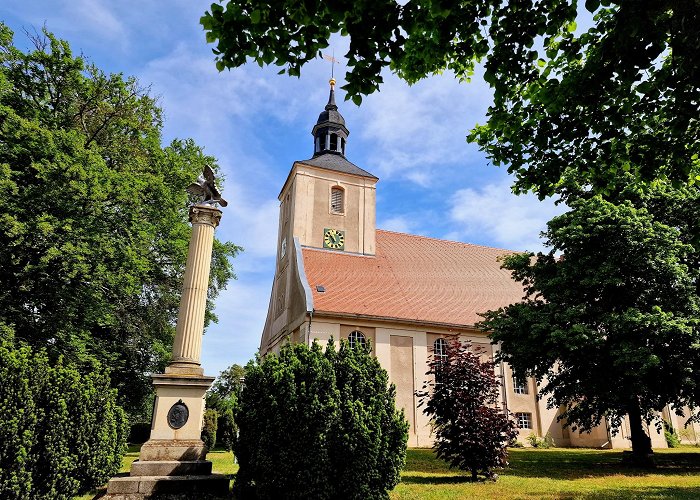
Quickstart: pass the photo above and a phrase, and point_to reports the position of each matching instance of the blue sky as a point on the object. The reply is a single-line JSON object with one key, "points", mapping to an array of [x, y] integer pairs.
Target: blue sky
{"points": [[257, 123]]}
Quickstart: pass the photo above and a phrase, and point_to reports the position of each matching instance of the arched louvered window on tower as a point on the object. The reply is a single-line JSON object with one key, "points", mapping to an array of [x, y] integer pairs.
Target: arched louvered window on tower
{"points": [[334, 142], [337, 200]]}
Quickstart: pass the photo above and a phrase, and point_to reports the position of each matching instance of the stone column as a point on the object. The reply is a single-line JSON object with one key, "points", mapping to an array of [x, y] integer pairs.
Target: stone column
{"points": [[179, 404], [187, 347]]}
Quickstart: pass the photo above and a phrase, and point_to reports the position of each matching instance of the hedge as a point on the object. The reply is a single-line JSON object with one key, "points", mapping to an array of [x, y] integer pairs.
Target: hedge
{"points": [[61, 432], [318, 424]]}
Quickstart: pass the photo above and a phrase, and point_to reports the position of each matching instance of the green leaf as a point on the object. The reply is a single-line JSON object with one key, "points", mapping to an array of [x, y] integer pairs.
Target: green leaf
{"points": [[592, 5], [255, 16]]}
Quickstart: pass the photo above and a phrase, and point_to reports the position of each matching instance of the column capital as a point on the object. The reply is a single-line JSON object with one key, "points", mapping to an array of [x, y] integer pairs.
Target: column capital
{"points": [[205, 214]]}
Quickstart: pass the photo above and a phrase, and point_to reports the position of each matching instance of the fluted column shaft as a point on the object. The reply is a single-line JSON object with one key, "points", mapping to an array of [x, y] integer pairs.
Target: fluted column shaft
{"points": [[187, 347]]}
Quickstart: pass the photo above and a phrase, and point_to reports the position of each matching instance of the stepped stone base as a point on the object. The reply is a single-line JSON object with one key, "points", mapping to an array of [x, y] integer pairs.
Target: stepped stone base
{"points": [[171, 468], [213, 486], [173, 449]]}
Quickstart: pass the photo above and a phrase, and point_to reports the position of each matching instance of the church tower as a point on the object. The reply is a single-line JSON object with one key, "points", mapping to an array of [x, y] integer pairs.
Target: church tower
{"points": [[327, 203]]}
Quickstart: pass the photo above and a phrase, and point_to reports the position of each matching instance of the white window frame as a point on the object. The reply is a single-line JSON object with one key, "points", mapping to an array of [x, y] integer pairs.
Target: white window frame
{"points": [[523, 420], [355, 337], [520, 386], [440, 350]]}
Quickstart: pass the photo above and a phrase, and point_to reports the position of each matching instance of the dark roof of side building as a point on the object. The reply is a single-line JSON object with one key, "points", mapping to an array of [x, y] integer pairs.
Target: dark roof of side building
{"points": [[337, 163]]}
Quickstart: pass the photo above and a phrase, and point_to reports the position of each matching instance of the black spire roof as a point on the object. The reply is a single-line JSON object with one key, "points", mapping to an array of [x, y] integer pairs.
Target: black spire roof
{"points": [[330, 139], [330, 114]]}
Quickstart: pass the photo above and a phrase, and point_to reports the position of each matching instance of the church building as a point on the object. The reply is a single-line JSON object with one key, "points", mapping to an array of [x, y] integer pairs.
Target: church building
{"points": [[338, 276]]}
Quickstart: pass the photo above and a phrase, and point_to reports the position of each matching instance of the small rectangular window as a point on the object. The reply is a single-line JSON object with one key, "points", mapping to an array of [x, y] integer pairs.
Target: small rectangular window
{"points": [[519, 385], [524, 420], [334, 143]]}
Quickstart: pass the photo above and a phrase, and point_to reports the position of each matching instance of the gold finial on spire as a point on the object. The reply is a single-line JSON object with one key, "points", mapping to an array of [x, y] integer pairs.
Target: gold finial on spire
{"points": [[332, 82]]}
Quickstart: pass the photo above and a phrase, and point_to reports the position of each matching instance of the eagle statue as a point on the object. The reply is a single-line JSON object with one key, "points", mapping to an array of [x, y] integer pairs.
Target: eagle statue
{"points": [[205, 187]]}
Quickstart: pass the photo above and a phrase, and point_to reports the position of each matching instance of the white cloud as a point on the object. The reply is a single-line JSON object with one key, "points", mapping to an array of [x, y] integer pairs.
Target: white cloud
{"points": [[399, 224], [493, 212], [412, 131], [75, 16]]}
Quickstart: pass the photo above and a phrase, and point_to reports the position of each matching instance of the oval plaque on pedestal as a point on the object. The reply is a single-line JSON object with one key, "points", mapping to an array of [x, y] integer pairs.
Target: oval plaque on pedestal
{"points": [[178, 415]]}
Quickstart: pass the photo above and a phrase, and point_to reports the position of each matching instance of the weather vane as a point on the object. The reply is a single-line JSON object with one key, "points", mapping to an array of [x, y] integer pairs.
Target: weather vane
{"points": [[333, 62], [205, 186]]}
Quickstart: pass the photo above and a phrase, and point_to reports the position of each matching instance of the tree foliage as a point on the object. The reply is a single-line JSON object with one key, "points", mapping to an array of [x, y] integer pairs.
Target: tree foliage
{"points": [[573, 96], [612, 326], [471, 431], [210, 427], [60, 432], [93, 215], [223, 397], [226, 386], [318, 424]]}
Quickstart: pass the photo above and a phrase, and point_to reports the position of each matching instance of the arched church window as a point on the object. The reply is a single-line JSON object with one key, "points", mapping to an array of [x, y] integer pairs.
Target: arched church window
{"points": [[334, 142], [440, 350], [356, 339], [337, 200]]}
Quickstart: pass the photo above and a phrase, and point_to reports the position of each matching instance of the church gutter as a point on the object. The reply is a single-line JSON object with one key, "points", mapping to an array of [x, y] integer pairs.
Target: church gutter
{"points": [[391, 319]]}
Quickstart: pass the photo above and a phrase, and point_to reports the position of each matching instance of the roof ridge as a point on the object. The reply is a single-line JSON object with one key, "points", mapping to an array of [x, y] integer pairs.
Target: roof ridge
{"points": [[448, 241]]}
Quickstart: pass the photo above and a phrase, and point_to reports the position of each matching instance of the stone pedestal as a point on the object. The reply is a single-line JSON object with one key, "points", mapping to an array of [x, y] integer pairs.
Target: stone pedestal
{"points": [[172, 463]]}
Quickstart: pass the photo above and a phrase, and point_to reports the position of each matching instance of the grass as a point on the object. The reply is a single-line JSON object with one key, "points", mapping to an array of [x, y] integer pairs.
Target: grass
{"points": [[557, 473]]}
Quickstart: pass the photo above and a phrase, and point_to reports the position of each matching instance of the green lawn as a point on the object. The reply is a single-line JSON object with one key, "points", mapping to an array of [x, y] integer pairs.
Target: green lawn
{"points": [[535, 473], [557, 473]]}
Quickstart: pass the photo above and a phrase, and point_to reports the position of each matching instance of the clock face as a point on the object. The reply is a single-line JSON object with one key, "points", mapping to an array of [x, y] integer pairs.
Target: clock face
{"points": [[332, 238]]}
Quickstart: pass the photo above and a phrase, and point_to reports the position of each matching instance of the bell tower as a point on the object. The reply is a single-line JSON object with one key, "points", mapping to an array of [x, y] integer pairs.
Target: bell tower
{"points": [[326, 203]]}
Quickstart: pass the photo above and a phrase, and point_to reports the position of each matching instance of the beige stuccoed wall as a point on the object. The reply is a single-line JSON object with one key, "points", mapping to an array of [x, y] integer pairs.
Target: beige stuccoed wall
{"points": [[687, 433], [310, 209], [407, 372]]}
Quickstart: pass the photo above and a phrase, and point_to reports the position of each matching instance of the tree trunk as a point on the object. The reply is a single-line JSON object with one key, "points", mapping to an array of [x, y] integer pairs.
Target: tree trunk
{"points": [[642, 454], [474, 476]]}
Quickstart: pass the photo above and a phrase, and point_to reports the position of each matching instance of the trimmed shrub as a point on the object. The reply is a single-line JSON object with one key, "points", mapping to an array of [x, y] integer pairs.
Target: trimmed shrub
{"points": [[209, 428], [318, 424], [537, 442], [226, 428], [672, 439], [61, 432]]}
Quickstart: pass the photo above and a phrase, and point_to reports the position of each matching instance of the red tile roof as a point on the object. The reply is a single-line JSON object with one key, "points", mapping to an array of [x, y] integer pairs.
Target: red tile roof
{"points": [[412, 278]]}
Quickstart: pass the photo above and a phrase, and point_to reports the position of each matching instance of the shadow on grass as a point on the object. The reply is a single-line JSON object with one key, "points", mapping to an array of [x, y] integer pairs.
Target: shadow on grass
{"points": [[422, 467], [575, 464], [409, 478], [655, 492]]}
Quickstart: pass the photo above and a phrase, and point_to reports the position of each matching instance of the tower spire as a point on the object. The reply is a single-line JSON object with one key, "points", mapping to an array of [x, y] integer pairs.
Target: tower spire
{"points": [[331, 98], [330, 133]]}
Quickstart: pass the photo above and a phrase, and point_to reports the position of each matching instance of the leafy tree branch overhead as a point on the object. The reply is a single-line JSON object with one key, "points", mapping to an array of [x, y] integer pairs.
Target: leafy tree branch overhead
{"points": [[569, 103]]}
